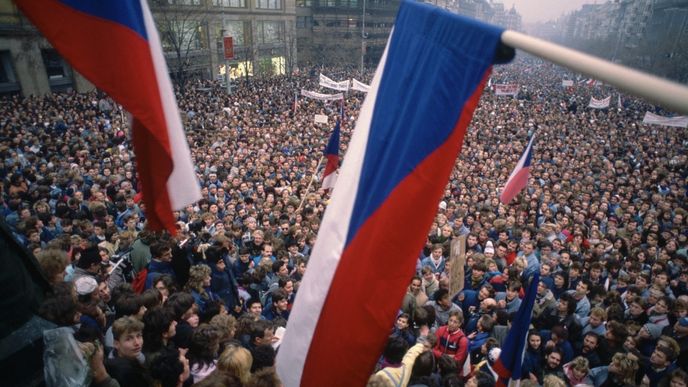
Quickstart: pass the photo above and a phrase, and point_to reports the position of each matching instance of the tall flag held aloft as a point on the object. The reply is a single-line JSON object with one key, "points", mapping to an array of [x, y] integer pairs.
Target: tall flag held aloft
{"points": [[403, 148], [332, 156], [508, 366], [115, 45], [518, 180]]}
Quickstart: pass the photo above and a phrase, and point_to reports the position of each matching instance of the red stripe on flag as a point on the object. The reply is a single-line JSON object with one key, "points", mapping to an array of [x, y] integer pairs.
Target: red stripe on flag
{"points": [[331, 166], [376, 267], [515, 185], [118, 61]]}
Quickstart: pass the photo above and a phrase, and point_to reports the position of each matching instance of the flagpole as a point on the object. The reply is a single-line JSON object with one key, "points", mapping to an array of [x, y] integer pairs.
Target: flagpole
{"points": [[669, 94], [308, 189]]}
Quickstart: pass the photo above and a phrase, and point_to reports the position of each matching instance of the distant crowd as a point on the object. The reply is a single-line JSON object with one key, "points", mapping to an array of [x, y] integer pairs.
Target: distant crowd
{"points": [[603, 220]]}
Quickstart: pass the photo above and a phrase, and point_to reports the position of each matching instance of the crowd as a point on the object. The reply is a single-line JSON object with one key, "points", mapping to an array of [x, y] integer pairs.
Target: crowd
{"points": [[603, 221]]}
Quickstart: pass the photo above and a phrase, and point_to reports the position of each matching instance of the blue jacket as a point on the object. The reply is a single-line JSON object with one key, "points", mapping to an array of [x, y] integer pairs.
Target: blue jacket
{"points": [[157, 269], [428, 262], [532, 363], [223, 284], [477, 341]]}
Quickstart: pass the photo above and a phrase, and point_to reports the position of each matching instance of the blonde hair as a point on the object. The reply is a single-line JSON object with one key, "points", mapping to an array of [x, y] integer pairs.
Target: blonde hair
{"points": [[522, 262], [377, 380], [581, 364], [53, 262], [599, 312], [553, 381], [627, 364], [236, 361], [197, 274], [225, 323]]}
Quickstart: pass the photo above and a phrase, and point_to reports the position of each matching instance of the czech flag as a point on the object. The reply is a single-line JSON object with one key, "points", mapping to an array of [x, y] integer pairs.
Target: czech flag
{"points": [[115, 45], [405, 144], [508, 366], [518, 179], [332, 155]]}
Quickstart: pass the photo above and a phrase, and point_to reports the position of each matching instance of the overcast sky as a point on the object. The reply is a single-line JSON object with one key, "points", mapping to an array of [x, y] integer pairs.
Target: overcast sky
{"points": [[544, 10]]}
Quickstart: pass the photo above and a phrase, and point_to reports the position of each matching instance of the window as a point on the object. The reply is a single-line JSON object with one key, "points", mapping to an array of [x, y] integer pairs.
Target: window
{"points": [[59, 73], [231, 3], [180, 34], [235, 29], [269, 31], [54, 64], [185, 2], [269, 4], [8, 79], [304, 3], [304, 21]]}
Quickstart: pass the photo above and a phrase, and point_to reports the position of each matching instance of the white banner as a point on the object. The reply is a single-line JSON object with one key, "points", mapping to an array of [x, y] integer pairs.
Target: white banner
{"points": [[321, 118], [567, 83], [360, 86], [506, 89], [330, 84], [321, 97], [599, 103], [654, 119]]}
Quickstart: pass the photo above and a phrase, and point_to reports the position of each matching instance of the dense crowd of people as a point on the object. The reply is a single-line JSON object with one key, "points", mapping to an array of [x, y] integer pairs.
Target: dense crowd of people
{"points": [[603, 220]]}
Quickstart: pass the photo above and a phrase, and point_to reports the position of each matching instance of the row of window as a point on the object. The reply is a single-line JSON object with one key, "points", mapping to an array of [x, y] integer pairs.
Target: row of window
{"points": [[260, 4], [308, 22], [341, 3], [267, 31], [58, 71]]}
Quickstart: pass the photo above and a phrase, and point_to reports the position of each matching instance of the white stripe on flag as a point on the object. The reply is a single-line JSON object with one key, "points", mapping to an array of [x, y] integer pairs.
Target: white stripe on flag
{"points": [[292, 355], [182, 185]]}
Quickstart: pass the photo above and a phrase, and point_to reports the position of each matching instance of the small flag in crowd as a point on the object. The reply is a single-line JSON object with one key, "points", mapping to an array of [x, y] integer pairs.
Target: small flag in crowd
{"points": [[296, 100], [404, 146], [518, 179], [508, 366], [115, 45], [332, 156], [341, 111]]}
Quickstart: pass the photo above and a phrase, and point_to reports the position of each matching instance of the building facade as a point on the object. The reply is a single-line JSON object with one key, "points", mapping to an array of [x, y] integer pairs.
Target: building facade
{"points": [[268, 36], [355, 32], [191, 31]]}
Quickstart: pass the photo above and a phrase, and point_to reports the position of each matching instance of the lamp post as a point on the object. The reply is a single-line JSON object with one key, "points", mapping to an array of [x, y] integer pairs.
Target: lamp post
{"points": [[363, 45], [228, 51]]}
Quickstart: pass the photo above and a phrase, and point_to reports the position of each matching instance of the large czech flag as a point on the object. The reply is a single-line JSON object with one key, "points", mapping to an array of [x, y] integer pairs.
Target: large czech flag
{"points": [[115, 45], [406, 141]]}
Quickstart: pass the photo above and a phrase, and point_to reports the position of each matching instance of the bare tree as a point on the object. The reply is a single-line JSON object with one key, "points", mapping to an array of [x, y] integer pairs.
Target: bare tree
{"points": [[182, 25], [289, 41]]}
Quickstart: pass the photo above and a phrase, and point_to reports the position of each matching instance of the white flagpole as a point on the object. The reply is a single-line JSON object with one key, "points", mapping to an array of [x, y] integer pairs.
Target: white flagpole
{"points": [[669, 94]]}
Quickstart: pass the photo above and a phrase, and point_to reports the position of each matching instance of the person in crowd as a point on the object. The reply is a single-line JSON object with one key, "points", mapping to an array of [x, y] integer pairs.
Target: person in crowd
{"points": [[124, 365], [451, 340], [603, 213]]}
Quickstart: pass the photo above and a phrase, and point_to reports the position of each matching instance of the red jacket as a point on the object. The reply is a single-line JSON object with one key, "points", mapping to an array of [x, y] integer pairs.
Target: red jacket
{"points": [[454, 344]]}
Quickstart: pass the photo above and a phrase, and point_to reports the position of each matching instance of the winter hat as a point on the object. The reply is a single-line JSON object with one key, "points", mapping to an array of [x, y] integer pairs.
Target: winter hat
{"points": [[489, 249], [655, 330], [85, 285]]}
